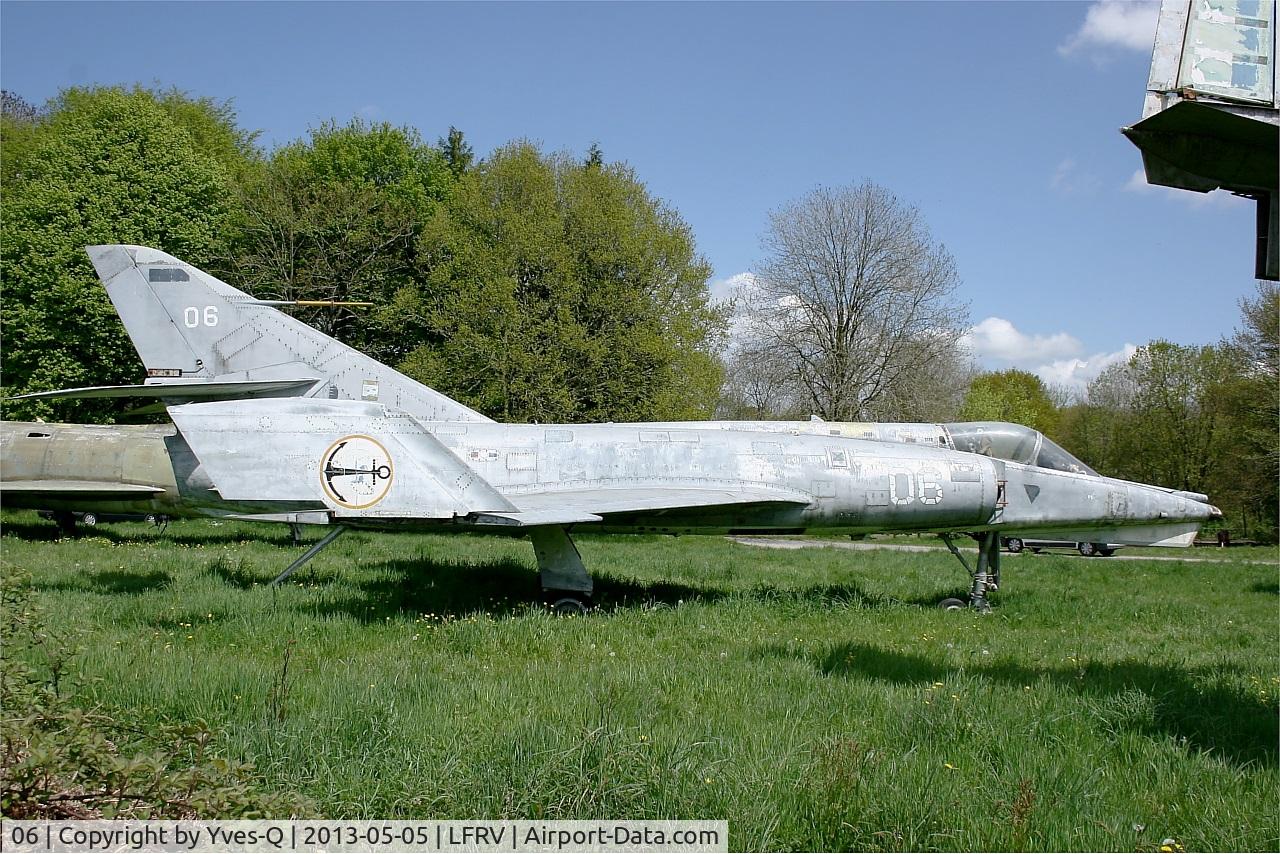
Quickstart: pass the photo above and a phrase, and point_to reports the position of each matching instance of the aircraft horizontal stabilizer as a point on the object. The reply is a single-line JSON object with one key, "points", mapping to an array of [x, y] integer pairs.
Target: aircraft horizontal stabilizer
{"points": [[181, 392]]}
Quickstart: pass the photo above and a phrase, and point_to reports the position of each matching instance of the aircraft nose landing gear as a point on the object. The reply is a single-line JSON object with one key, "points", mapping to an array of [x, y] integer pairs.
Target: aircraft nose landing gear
{"points": [[985, 578]]}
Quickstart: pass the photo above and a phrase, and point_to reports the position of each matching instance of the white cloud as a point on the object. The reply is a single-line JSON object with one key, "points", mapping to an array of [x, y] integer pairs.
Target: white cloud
{"points": [[1058, 359], [997, 338], [1217, 199], [723, 293], [1076, 374], [1069, 179], [1115, 24], [723, 290]]}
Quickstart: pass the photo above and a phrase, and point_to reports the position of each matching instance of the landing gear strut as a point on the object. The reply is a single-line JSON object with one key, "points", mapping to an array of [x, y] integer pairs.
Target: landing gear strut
{"points": [[566, 585], [66, 523], [986, 577]]}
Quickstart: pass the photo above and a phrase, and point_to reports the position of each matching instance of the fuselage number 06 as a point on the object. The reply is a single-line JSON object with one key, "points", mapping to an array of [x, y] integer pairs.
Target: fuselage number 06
{"points": [[193, 316], [903, 488]]}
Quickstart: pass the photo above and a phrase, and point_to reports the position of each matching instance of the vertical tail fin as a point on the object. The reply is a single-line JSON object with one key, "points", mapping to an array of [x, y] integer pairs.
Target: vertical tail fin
{"points": [[188, 325]]}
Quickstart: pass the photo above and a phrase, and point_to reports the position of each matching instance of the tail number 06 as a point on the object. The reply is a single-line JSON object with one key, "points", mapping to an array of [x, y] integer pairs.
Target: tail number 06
{"points": [[193, 316], [903, 488]]}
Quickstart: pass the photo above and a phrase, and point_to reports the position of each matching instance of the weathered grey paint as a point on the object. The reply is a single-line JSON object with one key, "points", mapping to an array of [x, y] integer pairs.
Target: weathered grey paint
{"points": [[267, 456], [191, 327], [366, 447]]}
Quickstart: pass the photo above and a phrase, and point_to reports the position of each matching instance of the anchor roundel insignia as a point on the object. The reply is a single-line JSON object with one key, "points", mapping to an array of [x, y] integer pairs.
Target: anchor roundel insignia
{"points": [[356, 472]]}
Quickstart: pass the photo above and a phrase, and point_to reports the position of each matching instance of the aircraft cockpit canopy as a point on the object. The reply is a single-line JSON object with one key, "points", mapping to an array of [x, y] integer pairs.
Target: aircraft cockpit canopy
{"points": [[1013, 442]]}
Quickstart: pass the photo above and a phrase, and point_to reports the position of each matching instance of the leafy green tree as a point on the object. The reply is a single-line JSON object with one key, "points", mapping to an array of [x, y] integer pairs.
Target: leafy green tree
{"points": [[1251, 442], [102, 165], [1157, 418], [557, 292], [213, 128], [338, 216], [1011, 395]]}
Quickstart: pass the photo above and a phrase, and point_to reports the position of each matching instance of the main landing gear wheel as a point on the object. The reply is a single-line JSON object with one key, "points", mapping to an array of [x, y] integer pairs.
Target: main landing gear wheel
{"points": [[953, 604], [985, 577], [569, 606]]}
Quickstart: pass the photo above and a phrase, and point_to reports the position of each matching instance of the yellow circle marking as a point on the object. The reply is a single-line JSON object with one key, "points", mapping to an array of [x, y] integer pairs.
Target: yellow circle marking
{"points": [[326, 477]]}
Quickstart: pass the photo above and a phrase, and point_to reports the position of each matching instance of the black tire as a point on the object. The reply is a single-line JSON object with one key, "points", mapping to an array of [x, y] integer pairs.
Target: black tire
{"points": [[89, 520], [953, 604], [150, 519], [569, 606], [1088, 549], [1014, 545]]}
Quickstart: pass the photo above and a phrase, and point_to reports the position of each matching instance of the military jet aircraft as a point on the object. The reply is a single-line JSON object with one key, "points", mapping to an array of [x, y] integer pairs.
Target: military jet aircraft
{"points": [[308, 430]]}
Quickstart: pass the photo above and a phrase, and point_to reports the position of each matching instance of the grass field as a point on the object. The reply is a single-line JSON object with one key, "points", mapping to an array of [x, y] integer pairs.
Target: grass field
{"points": [[816, 699]]}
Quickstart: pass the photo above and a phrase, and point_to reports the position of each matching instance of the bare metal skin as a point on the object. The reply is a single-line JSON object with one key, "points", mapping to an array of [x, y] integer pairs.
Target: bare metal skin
{"points": [[346, 442]]}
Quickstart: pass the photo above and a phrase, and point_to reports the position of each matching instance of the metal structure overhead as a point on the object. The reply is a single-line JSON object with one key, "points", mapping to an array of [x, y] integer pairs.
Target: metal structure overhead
{"points": [[1210, 119]]}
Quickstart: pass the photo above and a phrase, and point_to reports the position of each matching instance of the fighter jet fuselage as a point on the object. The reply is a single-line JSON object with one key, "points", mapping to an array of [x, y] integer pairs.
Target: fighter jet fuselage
{"points": [[275, 421], [795, 482]]}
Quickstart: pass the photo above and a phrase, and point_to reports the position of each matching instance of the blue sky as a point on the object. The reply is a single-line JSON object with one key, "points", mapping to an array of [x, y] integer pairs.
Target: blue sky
{"points": [[1000, 121]]}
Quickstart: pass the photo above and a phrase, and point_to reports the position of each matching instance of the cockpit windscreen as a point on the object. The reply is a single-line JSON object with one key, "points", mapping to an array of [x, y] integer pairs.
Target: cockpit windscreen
{"points": [[1014, 442]]}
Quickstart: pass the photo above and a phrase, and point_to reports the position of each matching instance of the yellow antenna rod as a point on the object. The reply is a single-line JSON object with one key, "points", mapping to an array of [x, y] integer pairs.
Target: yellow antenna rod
{"points": [[309, 303]]}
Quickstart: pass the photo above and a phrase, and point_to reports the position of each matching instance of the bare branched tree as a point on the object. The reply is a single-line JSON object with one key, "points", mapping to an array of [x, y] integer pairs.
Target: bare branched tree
{"points": [[759, 384], [857, 295]]}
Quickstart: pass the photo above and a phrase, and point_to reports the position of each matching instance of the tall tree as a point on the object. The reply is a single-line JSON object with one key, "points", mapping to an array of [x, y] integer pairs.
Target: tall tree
{"points": [[1012, 395], [16, 107], [1157, 417], [101, 166], [857, 294], [457, 151], [560, 292], [338, 216], [1252, 443]]}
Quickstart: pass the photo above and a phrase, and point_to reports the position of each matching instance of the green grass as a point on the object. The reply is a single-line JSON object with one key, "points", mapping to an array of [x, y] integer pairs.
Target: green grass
{"points": [[815, 699]]}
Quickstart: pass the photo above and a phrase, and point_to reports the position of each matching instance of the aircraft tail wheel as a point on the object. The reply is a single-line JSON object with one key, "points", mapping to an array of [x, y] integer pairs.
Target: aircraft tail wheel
{"points": [[953, 604], [569, 606]]}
